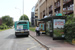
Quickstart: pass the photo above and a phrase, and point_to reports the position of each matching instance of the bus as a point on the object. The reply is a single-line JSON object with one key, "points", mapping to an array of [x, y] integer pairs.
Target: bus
{"points": [[21, 28]]}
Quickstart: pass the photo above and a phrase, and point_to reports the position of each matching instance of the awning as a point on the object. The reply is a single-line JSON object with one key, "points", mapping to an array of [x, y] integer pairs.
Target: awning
{"points": [[52, 17]]}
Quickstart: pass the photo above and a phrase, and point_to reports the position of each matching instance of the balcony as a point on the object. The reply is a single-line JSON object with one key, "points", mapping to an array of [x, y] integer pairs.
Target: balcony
{"points": [[36, 16], [57, 5], [50, 14], [68, 10], [67, 2], [57, 12]]}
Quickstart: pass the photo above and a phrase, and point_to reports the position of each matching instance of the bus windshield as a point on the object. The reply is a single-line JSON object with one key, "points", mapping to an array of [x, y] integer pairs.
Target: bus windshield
{"points": [[22, 23]]}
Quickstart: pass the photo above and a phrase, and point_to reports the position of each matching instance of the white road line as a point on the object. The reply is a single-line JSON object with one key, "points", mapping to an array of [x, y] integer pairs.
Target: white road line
{"points": [[32, 47]]}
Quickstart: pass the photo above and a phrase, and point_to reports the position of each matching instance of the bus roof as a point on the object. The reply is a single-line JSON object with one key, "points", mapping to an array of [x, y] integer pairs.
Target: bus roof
{"points": [[22, 21]]}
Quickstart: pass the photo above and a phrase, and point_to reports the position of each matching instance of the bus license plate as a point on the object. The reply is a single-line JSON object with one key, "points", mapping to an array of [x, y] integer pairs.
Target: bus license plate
{"points": [[22, 32]]}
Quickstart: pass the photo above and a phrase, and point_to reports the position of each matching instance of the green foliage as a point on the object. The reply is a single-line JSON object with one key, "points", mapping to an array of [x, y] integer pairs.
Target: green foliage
{"points": [[3, 26], [32, 29], [24, 17], [70, 32], [7, 20], [30, 24], [70, 19], [58, 32], [70, 28]]}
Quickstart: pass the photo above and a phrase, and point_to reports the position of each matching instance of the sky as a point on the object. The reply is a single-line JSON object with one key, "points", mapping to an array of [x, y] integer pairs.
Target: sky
{"points": [[14, 8]]}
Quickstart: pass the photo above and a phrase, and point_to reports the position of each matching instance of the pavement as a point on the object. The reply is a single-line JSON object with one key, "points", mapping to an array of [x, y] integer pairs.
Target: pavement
{"points": [[51, 44], [8, 41]]}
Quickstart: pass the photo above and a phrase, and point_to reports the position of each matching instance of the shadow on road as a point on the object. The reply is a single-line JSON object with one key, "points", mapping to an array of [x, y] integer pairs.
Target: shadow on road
{"points": [[12, 36]]}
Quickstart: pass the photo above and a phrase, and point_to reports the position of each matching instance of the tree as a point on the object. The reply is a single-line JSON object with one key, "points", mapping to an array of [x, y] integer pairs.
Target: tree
{"points": [[24, 17], [70, 18], [7, 20]]}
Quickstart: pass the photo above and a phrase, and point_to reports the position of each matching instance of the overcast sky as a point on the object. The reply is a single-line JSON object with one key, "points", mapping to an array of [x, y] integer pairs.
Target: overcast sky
{"points": [[14, 8]]}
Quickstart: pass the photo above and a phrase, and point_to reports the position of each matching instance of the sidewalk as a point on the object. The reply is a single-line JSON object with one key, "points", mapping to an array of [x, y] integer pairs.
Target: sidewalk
{"points": [[50, 44]]}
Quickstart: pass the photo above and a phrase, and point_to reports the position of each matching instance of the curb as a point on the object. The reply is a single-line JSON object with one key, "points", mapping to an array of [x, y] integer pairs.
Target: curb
{"points": [[47, 48]]}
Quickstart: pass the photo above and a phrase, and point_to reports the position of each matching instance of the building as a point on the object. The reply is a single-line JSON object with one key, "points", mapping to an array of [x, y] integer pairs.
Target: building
{"points": [[33, 16], [0, 21], [53, 7], [50, 8], [36, 14]]}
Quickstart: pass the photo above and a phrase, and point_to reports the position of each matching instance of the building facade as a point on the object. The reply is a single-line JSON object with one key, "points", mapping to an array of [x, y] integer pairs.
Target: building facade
{"points": [[53, 7], [50, 8], [33, 17], [36, 14]]}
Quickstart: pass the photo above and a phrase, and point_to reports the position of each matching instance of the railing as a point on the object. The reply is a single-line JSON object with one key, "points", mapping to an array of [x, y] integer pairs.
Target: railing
{"points": [[57, 4], [68, 10], [50, 14], [65, 1], [36, 16]]}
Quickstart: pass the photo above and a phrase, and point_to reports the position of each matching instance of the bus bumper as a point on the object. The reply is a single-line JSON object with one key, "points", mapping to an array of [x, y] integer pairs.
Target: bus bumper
{"points": [[22, 33]]}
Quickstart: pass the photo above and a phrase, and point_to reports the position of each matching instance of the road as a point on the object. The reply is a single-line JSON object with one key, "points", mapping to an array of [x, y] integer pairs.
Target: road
{"points": [[8, 41]]}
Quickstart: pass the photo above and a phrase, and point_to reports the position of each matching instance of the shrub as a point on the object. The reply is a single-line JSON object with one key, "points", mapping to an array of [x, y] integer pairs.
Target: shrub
{"points": [[70, 28], [70, 32], [3, 26]]}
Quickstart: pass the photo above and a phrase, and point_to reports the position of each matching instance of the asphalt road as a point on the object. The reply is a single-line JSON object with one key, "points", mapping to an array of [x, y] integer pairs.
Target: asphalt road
{"points": [[8, 41]]}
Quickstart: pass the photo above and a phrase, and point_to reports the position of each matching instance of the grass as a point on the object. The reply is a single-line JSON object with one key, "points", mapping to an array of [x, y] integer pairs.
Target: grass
{"points": [[4, 29], [32, 29]]}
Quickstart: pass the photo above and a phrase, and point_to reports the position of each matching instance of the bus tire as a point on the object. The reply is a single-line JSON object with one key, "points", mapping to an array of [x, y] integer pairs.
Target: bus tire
{"points": [[16, 35], [27, 35]]}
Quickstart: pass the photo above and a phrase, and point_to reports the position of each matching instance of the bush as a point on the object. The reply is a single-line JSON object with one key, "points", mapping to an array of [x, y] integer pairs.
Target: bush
{"points": [[70, 32], [3, 26], [70, 28]]}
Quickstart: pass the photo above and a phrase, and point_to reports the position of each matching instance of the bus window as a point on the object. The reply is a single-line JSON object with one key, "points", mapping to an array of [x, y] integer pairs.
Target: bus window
{"points": [[22, 23]]}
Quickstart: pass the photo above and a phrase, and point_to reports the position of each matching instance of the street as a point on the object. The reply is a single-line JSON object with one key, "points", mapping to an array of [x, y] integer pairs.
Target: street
{"points": [[8, 41]]}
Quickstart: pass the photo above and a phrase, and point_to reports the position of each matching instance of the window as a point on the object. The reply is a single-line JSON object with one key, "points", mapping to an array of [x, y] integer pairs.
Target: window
{"points": [[22, 23]]}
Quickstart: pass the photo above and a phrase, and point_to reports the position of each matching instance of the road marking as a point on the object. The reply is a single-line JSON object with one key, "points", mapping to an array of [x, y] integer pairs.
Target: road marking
{"points": [[32, 47]]}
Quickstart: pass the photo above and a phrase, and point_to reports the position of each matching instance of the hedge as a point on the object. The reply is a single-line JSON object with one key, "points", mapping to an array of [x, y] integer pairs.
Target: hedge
{"points": [[70, 32], [3, 26]]}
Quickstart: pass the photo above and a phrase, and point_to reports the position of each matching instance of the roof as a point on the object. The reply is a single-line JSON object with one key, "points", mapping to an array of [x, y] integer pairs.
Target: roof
{"points": [[52, 17]]}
